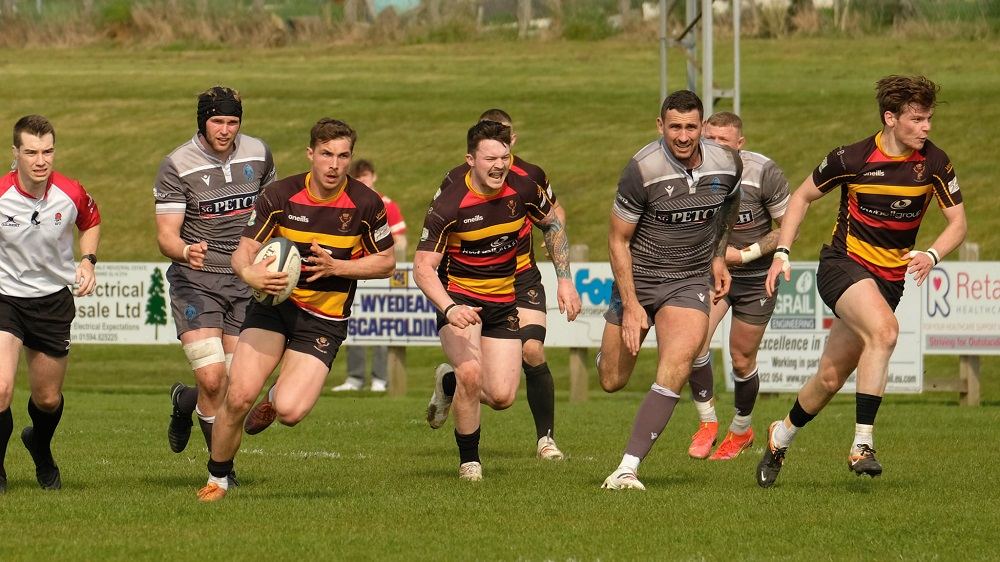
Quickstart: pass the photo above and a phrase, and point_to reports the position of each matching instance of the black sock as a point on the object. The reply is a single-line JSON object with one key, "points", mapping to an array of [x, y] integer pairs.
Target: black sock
{"points": [[187, 401], [745, 393], [6, 429], [866, 407], [448, 383], [798, 416], [468, 446], [701, 382], [219, 469], [206, 430], [44, 424], [541, 398]]}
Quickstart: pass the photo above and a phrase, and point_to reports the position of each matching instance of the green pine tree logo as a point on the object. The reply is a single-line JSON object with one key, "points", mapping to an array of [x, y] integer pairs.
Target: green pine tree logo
{"points": [[156, 305]]}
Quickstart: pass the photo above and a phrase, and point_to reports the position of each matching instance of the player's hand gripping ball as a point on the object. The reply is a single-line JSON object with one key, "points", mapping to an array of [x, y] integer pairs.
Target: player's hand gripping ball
{"points": [[287, 259]]}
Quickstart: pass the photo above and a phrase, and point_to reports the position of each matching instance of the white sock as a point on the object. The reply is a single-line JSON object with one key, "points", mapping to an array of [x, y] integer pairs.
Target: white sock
{"points": [[221, 482], [630, 462], [706, 411], [740, 425], [863, 435], [782, 436], [270, 394]]}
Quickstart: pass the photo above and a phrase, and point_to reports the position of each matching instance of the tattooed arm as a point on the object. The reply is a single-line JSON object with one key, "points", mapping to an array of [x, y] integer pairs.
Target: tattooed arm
{"points": [[557, 244]]}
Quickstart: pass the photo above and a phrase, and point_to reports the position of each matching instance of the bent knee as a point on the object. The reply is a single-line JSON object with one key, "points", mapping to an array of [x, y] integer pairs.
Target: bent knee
{"points": [[213, 385], [291, 419], [533, 353], [501, 401]]}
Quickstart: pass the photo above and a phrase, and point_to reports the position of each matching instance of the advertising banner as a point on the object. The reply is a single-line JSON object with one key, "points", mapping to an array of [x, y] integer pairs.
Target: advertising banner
{"points": [[961, 312], [131, 304]]}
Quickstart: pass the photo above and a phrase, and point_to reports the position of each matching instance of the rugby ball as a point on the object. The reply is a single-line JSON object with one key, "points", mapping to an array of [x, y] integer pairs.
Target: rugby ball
{"points": [[287, 260]]}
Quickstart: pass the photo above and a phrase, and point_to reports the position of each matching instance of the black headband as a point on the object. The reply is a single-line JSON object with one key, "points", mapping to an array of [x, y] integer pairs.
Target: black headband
{"points": [[222, 103]]}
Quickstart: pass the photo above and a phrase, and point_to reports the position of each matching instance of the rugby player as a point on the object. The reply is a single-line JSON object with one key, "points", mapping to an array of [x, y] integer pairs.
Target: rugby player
{"points": [[677, 201], [465, 264], [764, 197], [205, 191], [339, 226], [886, 183], [531, 309]]}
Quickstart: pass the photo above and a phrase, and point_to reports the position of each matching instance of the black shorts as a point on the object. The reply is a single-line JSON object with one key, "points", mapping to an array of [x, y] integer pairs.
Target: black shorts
{"points": [[303, 332], [201, 299], [837, 272], [529, 290], [41, 323], [499, 319]]}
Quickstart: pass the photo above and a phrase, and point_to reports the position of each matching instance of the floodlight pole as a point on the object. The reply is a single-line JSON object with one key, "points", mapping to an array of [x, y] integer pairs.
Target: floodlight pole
{"points": [[663, 50], [707, 58]]}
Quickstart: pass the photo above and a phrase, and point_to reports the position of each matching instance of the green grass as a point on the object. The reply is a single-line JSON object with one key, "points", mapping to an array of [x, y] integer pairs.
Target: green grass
{"points": [[581, 109], [362, 477]]}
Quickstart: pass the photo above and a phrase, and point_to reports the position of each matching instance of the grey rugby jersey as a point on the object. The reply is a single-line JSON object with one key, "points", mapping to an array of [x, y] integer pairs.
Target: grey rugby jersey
{"points": [[216, 197], [675, 213], [764, 198]]}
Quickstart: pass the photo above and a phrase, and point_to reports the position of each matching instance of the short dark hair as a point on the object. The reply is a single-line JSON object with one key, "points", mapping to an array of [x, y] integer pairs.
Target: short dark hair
{"points": [[33, 125], [896, 92], [682, 101], [327, 129], [487, 130], [498, 115], [361, 166], [726, 119]]}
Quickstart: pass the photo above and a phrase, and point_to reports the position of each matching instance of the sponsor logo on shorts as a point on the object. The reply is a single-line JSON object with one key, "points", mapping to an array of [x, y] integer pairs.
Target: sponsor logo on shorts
{"points": [[763, 301], [653, 435], [701, 297], [190, 312], [322, 344], [533, 296], [513, 323]]}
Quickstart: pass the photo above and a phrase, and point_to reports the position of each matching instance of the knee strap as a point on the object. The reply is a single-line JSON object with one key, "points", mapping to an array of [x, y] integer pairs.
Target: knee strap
{"points": [[205, 352], [533, 332]]}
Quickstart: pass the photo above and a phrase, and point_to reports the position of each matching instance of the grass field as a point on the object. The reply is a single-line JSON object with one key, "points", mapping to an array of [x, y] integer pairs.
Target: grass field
{"points": [[363, 477]]}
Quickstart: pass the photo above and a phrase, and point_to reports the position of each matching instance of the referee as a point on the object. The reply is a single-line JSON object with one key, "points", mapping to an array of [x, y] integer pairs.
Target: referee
{"points": [[39, 208]]}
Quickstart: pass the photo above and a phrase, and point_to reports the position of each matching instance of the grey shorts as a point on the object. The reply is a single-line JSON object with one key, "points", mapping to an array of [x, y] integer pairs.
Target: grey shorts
{"points": [[653, 295], [749, 301], [199, 299]]}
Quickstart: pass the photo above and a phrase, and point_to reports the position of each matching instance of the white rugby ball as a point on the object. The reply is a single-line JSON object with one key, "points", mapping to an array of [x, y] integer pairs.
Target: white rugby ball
{"points": [[287, 259]]}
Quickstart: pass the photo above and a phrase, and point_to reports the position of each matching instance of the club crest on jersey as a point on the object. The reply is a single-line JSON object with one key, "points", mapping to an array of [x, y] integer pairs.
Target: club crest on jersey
{"points": [[512, 207], [248, 172], [58, 219], [345, 221], [716, 185], [919, 170]]}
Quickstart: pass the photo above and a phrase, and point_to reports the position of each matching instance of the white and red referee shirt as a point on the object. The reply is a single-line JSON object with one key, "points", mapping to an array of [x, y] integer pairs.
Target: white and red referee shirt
{"points": [[393, 216], [36, 235]]}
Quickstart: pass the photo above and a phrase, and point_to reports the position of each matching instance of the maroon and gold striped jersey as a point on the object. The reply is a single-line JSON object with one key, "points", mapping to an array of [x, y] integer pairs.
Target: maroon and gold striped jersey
{"points": [[348, 225], [520, 167], [883, 199], [479, 235]]}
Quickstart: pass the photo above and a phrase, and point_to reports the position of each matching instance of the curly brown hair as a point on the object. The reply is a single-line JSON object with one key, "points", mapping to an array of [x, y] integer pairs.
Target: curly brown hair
{"points": [[894, 93]]}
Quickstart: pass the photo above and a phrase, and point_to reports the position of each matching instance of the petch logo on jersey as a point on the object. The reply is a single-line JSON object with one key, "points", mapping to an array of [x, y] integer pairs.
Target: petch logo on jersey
{"points": [[476, 218], [231, 205], [683, 216]]}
